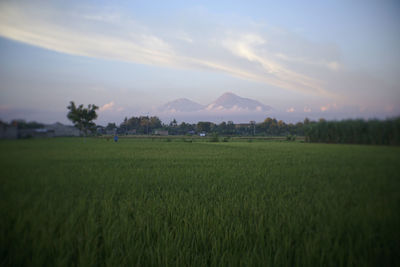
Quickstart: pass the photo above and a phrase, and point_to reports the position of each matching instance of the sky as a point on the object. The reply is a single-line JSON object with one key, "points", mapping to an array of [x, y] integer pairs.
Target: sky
{"points": [[331, 59]]}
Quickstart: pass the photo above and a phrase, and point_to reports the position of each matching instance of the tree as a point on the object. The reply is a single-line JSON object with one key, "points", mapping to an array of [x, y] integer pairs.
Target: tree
{"points": [[253, 127], [173, 123], [22, 124], [155, 122], [230, 126], [111, 126], [82, 118], [204, 126]]}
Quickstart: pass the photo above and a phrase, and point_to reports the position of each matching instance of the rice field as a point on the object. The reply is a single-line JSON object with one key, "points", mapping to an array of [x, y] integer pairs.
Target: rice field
{"points": [[144, 202]]}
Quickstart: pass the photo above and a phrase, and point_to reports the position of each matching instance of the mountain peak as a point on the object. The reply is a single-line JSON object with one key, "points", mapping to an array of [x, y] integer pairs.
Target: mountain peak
{"points": [[230, 101], [228, 94], [181, 105]]}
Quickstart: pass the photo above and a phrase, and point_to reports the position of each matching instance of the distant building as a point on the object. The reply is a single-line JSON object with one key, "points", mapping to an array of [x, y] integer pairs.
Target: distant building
{"points": [[111, 131], [60, 129], [100, 129], [35, 133], [161, 132], [243, 125], [8, 131], [131, 132]]}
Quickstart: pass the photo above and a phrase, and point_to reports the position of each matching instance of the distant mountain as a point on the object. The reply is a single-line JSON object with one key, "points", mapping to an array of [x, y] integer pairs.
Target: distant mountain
{"points": [[230, 101], [181, 105], [226, 102]]}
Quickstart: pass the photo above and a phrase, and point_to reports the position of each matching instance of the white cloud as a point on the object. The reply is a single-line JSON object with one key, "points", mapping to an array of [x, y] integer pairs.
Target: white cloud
{"points": [[108, 106], [114, 35], [103, 17], [327, 107], [324, 108], [184, 37], [333, 65]]}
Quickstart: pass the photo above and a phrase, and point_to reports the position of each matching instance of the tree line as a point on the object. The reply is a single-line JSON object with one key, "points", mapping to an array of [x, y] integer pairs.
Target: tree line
{"points": [[375, 132], [351, 131], [147, 125]]}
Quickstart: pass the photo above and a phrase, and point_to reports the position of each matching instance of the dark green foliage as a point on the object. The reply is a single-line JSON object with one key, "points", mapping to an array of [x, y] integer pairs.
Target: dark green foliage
{"points": [[359, 131], [142, 124], [270, 127], [290, 137], [23, 125], [226, 139], [143, 203], [82, 118], [180, 129], [347, 131], [111, 126], [204, 126], [214, 138]]}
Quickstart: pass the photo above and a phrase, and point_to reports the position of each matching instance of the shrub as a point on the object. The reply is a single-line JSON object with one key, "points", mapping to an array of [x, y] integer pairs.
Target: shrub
{"points": [[214, 138], [290, 137]]}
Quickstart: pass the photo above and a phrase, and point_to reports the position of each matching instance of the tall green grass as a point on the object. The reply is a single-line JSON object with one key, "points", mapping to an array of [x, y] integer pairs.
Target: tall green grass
{"points": [[67, 202]]}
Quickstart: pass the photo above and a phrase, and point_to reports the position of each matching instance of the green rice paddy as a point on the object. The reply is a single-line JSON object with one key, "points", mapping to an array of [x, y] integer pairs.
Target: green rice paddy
{"points": [[143, 202]]}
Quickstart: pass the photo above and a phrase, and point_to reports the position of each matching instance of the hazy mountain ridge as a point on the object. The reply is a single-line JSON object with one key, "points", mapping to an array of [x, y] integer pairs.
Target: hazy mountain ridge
{"points": [[226, 102], [230, 101], [181, 105]]}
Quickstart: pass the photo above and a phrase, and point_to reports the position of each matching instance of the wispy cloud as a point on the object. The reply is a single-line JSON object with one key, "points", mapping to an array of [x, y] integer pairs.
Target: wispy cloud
{"points": [[251, 47], [51, 30], [240, 53], [184, 37], [332, 65]]}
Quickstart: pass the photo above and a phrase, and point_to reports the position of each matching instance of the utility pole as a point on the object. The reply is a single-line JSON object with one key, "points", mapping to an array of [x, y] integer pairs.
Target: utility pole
{"points": [[148, 121], [254, 127]]}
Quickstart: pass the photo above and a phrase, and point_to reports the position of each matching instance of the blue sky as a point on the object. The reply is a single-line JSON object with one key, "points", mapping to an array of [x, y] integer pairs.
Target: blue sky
{"points": [[333, 59]]}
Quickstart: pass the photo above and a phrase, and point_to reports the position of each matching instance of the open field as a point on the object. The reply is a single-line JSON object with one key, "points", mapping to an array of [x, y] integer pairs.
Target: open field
{"points": [[138, 202]]}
